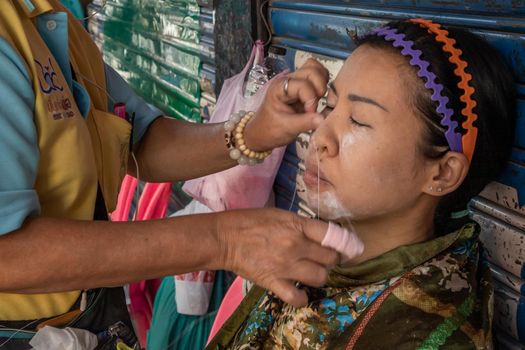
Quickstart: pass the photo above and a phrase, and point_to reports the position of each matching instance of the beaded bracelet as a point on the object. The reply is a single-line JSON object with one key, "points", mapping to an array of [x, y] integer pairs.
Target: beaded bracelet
{"points": [[234, 138]]}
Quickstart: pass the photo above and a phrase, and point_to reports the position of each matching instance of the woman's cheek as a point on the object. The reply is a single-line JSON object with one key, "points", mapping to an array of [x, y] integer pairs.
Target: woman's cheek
{"points": [[361, 196], [354, 150], [347, 141]]}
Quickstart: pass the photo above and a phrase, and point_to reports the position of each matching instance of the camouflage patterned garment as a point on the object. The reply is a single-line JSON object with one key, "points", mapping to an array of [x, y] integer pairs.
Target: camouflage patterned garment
{"points": [[432, 295]]}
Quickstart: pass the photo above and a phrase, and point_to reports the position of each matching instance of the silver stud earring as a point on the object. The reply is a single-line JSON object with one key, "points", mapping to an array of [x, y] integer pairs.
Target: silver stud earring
{"points": [[440, 189], [430, 188]]}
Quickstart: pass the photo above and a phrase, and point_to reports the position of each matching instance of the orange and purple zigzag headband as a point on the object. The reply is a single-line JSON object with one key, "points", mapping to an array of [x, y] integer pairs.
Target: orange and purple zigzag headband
{"points": [[458, 143]]}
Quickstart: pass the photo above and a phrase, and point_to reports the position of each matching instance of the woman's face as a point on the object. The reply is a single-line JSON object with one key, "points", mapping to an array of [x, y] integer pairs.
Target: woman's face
{"points": [[367, 147]]}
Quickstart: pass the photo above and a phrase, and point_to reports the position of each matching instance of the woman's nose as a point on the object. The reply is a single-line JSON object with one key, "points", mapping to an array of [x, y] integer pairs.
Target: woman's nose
{"points": [[324, 139]]}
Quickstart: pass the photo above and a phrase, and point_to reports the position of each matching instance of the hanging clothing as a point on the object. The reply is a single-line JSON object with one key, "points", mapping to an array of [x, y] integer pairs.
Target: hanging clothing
{"points": [[171, 330], [421, 296]]}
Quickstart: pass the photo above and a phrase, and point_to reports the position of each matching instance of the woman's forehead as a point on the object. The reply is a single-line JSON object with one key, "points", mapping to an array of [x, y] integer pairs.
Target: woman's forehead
{"points": [[373, 71]]}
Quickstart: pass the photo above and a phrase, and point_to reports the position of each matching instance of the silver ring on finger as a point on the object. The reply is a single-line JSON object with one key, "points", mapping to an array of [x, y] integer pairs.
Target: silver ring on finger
{"points": [[285, 86]]}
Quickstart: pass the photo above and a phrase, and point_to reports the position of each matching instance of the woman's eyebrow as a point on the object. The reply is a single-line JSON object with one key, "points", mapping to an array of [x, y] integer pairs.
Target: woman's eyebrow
{"points": [[357, 98]]}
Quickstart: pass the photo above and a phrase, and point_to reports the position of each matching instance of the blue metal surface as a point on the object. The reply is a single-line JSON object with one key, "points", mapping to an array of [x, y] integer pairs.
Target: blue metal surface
{"points": [[511, 317], [507, 23], [514, 176], [514, 283], [520, 124], [491, 7], [502, 243], [327, 33], [521, 90]]}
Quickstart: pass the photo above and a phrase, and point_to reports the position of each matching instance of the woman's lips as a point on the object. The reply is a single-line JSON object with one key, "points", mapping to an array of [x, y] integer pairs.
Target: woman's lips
{"points": [[312, 177]]}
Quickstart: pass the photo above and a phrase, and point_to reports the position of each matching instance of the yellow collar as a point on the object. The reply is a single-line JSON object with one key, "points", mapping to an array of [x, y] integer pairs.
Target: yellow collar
{"points": [[33, 8]]}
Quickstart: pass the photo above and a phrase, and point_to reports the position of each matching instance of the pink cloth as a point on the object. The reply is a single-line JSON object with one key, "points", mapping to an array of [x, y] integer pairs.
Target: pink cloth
{"points": [[240, 187], [343, 241], [125, 197], [153, 204], [231, 300]]}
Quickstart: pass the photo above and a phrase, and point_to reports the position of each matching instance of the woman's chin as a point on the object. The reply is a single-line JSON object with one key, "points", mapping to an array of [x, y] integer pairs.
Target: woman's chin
{"points": [[327, 206]]}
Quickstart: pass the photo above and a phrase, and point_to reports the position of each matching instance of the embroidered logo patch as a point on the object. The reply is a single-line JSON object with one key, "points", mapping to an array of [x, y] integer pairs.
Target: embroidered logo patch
{"points": [[59, 101], [47, 77]]}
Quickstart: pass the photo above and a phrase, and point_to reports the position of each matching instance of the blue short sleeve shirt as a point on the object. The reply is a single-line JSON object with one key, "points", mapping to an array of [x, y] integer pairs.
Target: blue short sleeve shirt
{"points": [[19, 153]]}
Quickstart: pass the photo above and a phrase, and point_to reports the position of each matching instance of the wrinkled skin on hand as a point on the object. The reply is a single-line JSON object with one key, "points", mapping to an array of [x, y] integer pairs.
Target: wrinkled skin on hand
{"points": [[275, 249], [282, 116]]}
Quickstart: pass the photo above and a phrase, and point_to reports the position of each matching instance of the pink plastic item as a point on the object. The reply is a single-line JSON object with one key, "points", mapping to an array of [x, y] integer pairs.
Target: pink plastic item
{"points": [[343, 241], [125, 197], [119, 109], [153, 204], [240, 187], [231, 301]]}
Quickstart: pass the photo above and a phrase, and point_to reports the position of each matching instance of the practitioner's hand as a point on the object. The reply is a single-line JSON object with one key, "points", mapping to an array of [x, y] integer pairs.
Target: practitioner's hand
{"points": [[275, 249], [289, 108]]}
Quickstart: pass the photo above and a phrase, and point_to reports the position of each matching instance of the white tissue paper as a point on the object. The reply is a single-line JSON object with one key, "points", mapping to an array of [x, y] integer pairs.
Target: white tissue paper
{"points": [[63, 339], [193, 290]]}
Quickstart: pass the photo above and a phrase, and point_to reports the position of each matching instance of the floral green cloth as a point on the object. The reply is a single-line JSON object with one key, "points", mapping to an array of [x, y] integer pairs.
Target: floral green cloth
{"points": [[431, 295]]}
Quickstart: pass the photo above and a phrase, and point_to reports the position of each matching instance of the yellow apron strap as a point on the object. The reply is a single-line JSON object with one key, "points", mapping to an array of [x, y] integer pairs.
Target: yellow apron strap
{"points": [[33, 8]]}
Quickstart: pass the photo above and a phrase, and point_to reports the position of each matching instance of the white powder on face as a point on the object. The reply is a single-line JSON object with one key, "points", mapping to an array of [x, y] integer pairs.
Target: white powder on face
{"points": [[326, 203], [348, 140], [330, 208]]}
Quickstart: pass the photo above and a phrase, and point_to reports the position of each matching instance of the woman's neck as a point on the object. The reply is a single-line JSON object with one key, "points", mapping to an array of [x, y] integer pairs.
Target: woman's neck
{"points": [[385, 233]]}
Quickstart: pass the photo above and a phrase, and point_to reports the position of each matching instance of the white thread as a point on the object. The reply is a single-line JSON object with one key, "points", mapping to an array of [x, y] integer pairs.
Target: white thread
{"points": [[332, 207], [19, 331], [263, 17], [97, 86], [294, 194], [318, 177]]}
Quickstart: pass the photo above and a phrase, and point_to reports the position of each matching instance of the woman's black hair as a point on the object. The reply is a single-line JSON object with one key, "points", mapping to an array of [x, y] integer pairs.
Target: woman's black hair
{"points": [[496, 108]]}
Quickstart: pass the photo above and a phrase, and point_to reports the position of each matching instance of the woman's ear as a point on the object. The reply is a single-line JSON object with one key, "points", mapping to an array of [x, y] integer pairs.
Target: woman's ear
{"points": [[447, 174]]}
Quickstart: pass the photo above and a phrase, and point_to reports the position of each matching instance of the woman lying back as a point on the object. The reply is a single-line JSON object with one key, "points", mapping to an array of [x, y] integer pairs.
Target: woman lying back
{"points": [[419, 119]]}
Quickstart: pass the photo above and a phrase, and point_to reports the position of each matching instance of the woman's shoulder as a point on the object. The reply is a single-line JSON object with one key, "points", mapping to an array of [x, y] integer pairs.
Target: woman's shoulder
{"points": [[445, 301], [454, 268]]}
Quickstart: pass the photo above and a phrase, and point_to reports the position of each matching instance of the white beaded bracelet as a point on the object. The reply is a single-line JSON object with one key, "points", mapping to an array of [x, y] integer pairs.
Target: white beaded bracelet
{"points": [[234, 137]]}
